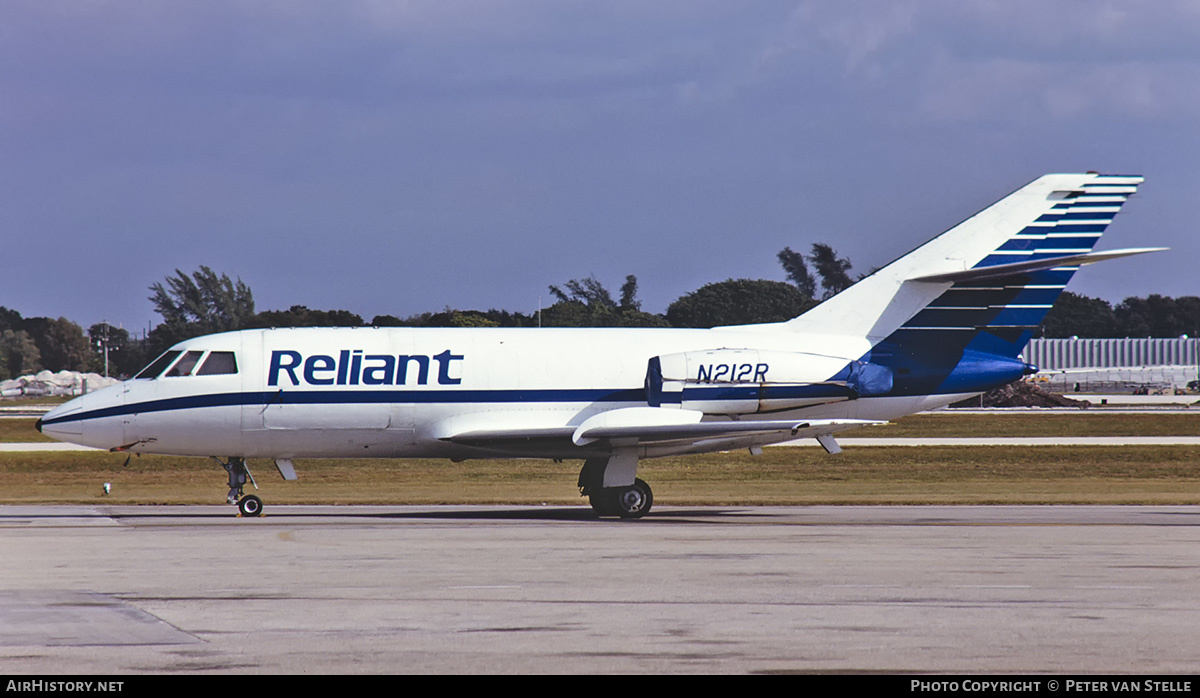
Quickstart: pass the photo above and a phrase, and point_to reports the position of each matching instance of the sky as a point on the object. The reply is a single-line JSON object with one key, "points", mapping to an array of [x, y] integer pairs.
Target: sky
{"points": [[402, 156]]}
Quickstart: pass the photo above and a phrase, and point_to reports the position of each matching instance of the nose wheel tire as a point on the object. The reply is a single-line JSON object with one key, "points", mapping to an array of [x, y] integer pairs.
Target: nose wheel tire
{"points": [[250, 506]]}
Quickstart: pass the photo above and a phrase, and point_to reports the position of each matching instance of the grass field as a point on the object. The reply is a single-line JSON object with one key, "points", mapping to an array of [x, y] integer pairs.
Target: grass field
{"points": [[783, 475], [948, 423], [20, 430]]}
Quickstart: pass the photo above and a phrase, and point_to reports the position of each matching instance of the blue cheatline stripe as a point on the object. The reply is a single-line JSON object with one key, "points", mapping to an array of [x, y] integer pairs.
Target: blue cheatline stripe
{"points": [[359, 397], [179, 403], [766, 392], [419, 397]]}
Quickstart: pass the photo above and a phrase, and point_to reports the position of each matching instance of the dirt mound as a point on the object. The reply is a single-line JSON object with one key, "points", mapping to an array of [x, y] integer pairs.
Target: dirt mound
{"points": [[1021, 394]]}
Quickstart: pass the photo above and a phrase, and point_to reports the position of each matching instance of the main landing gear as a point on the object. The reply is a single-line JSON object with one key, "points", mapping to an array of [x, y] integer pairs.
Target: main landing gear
{"points": [[248, 505], [631, 501]]}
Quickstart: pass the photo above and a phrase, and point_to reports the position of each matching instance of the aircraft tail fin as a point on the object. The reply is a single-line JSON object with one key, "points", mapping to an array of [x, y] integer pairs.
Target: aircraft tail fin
{"points": [[987, 283]]}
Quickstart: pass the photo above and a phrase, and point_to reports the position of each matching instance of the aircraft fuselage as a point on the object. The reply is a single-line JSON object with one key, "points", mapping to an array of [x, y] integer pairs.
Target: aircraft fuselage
{"points": [[398, 392]]}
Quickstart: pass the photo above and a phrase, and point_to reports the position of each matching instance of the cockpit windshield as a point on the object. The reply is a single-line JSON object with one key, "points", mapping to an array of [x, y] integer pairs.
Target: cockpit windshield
{"points": [[185, 365], [158, 365], [214, 364]]}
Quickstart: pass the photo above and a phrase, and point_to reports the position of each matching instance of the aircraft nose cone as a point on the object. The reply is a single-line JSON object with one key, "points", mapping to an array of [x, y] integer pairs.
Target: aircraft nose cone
{"points": [[38, 424]]}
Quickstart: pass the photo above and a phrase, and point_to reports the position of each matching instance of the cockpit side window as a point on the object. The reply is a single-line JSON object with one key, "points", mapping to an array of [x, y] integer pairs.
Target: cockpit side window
{"points": [[185, 365], [156, 367], [218, 363]]}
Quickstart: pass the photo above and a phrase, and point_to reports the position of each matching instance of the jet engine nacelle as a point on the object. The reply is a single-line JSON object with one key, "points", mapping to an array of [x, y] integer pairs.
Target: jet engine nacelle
{"points": [[748, 381]]}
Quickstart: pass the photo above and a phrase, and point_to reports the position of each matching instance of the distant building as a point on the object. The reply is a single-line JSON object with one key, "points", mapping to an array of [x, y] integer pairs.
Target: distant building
{"points": [[1116, 364]]}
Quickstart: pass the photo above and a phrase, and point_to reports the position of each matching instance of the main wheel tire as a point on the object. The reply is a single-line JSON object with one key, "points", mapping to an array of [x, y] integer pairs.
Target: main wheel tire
{"points": [[602, 503], [632, 502], [250, 506]]}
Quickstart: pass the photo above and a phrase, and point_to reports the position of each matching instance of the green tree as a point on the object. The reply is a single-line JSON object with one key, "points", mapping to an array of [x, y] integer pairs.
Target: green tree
{"points": [[1080, 316], [125, 355], [797, 271], [9, 319], [833, 270], [629, 290], [302, 316], [212, 303], [1187, 310], [61, 343], [19, 354], [467, 318], [1158, 316], [738, 302], [202, 303], [458, 318], [388, 321], [587, 303], [590, 292]]}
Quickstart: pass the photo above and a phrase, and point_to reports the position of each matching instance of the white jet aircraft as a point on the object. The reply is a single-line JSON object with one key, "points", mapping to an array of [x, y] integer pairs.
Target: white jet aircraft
{"points": [[943, 322]]}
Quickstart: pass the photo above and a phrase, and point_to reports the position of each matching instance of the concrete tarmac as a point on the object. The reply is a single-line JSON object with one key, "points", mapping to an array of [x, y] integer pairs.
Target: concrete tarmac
{"points": [[1062, 589]]}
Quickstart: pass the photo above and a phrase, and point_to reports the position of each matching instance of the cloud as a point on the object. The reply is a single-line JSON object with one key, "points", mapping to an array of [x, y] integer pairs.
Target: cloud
{"points": [[448, 134]]}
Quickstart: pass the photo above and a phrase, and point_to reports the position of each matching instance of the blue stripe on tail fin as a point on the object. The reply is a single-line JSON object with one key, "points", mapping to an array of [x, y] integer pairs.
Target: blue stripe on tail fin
{"points": [[968, 337], [1057, 215]]}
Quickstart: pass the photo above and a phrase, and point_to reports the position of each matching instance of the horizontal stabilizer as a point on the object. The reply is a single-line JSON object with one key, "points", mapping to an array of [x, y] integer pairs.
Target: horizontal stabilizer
{"points": [[1001, 270]]}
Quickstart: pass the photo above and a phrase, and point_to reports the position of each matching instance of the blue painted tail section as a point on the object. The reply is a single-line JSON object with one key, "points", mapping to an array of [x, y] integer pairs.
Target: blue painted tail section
{"points": [[969, 338]]}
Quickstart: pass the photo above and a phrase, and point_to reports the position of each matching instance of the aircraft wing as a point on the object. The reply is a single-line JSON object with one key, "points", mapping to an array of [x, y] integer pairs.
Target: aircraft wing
{"points": [[708, 430], [646, 425]]}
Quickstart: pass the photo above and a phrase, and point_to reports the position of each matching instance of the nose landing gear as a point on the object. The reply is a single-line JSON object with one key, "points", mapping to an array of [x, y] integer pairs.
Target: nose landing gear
{"points": [[248, 504]]}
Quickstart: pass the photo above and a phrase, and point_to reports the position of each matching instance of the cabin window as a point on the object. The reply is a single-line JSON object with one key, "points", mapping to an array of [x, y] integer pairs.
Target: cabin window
{"points": [[218, 363], [185, 365], [156, 367]]}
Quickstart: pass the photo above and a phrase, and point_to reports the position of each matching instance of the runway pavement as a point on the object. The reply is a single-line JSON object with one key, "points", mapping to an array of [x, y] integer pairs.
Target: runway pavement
{"points": [[553, 590]]}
